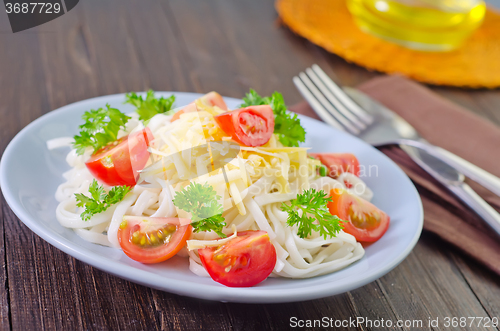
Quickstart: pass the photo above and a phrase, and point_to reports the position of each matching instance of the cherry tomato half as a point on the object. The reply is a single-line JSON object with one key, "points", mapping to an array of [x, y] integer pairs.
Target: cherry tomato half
{"points": [[241, 262], [210, 99], [364, 221], [152, 239], [213, 99], [251, 126], [338, 163], [119, 163]]}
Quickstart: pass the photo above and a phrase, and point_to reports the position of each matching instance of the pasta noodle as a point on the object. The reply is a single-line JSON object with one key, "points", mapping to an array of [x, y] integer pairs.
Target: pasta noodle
{"points": [[252, 187]]}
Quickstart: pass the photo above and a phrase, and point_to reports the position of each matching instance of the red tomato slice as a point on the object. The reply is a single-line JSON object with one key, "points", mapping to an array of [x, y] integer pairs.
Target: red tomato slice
{"points": [[210, 99], [338, 163], [250, 126], [152, 239], [241, 262], [214, 99], [119, 163], [363, 220]]}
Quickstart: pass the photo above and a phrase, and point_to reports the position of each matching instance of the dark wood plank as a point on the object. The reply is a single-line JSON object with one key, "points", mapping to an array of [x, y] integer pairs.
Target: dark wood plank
{"points": [[4, 285], [205, 38], [23, 287], [182, 313], [4, 210], [163, 54], [287, 315], [22, 102], [119, 46], [482, 282], [430, 284], [69, 60], [115, 51], [111, 303], [31, 261], [53, 278], [45, 291], [345, 73], [235, 46]]}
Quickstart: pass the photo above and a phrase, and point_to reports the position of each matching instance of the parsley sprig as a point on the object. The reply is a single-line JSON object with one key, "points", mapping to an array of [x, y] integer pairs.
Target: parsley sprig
{"points": [[100, 128], [286, 124], [201, 202], [149, 107], [314, 215], [99, 200]]}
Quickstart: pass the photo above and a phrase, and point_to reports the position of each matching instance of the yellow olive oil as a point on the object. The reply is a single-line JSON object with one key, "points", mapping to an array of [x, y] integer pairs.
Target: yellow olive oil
{"points": [[428, 25]]}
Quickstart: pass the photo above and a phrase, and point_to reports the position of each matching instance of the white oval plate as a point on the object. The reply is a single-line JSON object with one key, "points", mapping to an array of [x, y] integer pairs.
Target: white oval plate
{"points": [[30, 174]]}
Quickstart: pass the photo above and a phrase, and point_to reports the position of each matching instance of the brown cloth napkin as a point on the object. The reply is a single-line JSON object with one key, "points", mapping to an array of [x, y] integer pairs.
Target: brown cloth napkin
{"points": [[447, 125]]}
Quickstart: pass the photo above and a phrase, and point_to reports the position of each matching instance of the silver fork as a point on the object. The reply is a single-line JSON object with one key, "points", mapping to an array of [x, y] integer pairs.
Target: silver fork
{"points": [[350, 110]]}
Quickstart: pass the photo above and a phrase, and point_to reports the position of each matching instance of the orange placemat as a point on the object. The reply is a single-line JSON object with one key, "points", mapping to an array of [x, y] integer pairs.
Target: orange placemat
{"points": [[329, 24]]}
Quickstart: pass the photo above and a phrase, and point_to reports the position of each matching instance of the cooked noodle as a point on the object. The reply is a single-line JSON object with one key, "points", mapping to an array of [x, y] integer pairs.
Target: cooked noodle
{"points": [[260, 179]]}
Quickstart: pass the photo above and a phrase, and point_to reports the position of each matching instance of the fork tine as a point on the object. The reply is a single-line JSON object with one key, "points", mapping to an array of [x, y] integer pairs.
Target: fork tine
{"points": [[326, 105], [318, 108], [334, 101], [341, 96]]}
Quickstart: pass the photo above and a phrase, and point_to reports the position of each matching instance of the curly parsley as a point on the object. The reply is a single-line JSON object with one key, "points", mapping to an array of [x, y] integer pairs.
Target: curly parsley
{"points": [[99, 200], [201, 202], [149, 107], [100, 128], [286, 124], [309, 212]]}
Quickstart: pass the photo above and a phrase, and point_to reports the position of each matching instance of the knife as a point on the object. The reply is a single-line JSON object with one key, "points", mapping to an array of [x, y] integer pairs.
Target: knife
{"points": [[453, 180], [481, 176]]}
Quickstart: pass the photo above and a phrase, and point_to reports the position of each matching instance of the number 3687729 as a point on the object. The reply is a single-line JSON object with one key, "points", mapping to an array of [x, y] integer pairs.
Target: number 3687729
{"points": [[33, 7]]}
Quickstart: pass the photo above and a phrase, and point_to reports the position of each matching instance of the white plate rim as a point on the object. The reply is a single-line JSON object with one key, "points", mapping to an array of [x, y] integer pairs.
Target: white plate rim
{"points": [[217, 293]]}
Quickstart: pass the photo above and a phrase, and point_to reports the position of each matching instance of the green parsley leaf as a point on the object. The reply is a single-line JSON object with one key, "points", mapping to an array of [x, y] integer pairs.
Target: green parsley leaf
{"points": [[100, 128], [201, 202], [286, 124], [99, 200], [252, 98], [151, 105], [314, 214], [212, 223]]}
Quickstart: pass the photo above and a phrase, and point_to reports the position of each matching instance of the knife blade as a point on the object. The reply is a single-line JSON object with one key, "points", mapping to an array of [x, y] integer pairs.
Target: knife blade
{"points": [[453, 180], [477, 174]]}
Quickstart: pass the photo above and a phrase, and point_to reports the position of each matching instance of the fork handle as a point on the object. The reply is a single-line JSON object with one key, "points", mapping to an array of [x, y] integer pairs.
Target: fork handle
{"points": [[481, 176]]}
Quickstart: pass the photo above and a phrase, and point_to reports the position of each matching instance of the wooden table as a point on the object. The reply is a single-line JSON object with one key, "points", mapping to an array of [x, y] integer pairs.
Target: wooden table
{"points": [[106, 47]]}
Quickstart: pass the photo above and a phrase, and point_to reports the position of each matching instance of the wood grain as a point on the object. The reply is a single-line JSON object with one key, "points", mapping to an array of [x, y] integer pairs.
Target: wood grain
{"points": [[163, 53], [5, 136], [4, 292], [105, 47], [482, 282], [69, 61], [117, 60], [24, 71], [436, 287]]}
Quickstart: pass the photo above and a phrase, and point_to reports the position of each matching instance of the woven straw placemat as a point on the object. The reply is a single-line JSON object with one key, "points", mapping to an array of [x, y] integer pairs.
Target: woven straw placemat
{"points": [[329, 24]]}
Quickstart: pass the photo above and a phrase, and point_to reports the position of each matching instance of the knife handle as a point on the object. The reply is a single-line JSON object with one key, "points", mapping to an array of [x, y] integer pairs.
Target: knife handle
{"points": [[476, 203], [481, 176]]}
